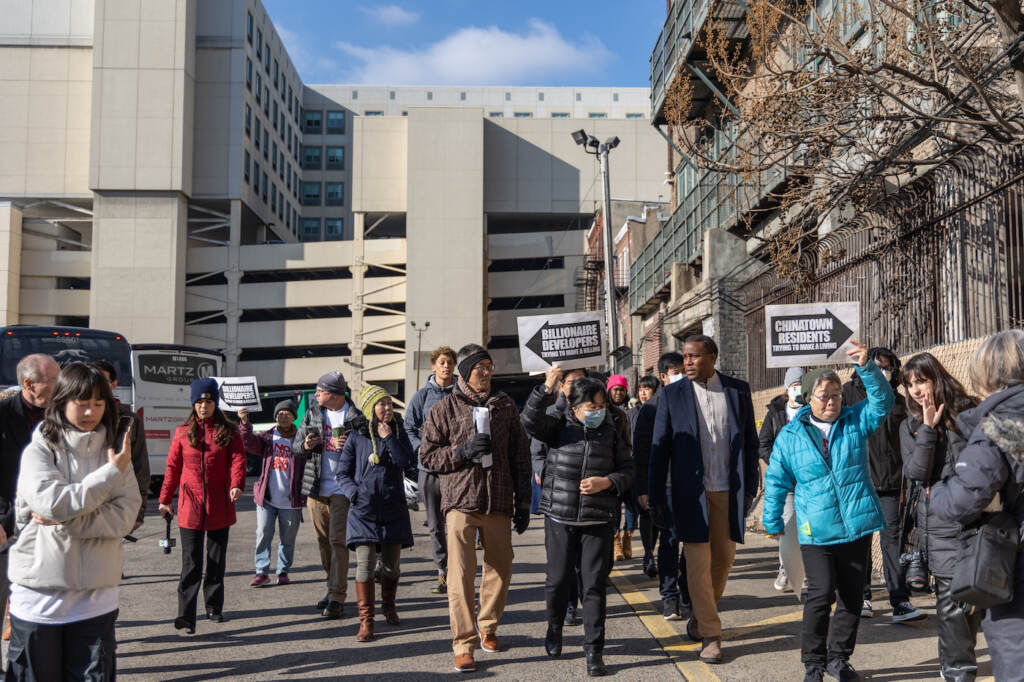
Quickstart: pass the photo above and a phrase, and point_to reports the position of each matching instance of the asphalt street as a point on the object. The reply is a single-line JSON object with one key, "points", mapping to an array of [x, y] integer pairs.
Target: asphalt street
{"points": [[275, 634]]}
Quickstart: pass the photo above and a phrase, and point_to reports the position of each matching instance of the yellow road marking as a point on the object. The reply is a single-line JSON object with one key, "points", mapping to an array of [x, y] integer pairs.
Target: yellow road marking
{"points": [[664, 632]]}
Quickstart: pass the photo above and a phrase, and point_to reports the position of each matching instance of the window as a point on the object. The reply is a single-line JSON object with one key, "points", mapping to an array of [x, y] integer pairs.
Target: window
{"points": [[634, 115], [615, 97], [334, 193], [296, 110], [508, 96], [311, 158], [259, 43], [391, 94], [311, 194], [290, 95], [373, 113], [284, 88], [245, 162], [266, 101], [335, 158], [266, 142], [273, 157], [560, 114], [523, 114], [256, 177], [311, 229], [579, 97], [259, 130], [248, 119], [288, 136], [288, 177], [334, 228], [355, 94], [283, 166], [540, 96], [405, 113], [335, 122], [266, 57], [430, 95], [248, 73], [496, 114], [597, 114], [275, 73], [527, 302], [259, 87], [273, 198], [287, 215], [264, 186], [312, 122], [248, 27], [462, 96], [275, 114]]}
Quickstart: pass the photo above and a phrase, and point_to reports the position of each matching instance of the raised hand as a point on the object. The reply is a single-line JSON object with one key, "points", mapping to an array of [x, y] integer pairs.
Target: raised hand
{"points": [[122, 460], [931, 415], [858, 354], [243, 416], [552, 378], [383, 429]]}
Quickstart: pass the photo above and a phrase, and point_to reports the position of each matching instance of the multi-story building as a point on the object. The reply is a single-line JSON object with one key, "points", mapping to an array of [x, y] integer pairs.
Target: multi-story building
{"points": [[164, 172]]}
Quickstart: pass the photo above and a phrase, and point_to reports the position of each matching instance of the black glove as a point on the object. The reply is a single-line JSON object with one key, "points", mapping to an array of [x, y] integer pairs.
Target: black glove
{"points": [[660, 516], [475, 448], [521, 520]]}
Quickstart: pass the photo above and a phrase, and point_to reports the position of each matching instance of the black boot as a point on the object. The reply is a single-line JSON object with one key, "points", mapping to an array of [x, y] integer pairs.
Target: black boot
{"points": [[595, 664], [553, 641]]}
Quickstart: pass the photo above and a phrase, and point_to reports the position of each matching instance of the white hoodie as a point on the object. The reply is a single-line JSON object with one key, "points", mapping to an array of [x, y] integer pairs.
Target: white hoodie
{"points": [[94, 506]]}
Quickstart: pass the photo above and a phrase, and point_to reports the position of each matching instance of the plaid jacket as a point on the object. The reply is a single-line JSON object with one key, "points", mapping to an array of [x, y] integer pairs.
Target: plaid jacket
{"points": [[466, 486]]}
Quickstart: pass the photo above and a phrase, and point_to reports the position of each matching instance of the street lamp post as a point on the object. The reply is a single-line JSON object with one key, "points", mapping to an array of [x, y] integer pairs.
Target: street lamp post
{"points": [[601, 150], [419, 346]]}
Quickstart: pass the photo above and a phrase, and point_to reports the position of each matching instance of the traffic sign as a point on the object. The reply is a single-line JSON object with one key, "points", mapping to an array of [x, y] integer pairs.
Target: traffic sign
{"points": [[569, 340], [810, 334]]}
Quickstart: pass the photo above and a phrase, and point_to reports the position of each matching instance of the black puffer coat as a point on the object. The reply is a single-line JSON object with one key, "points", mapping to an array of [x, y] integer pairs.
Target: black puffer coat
{"points": [[575, 453], [930, 455], [314, 417], [884, 461], [773, 422]]}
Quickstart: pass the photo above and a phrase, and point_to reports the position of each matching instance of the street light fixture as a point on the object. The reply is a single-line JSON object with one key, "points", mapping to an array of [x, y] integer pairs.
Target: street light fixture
{"points": [[419, 345]]}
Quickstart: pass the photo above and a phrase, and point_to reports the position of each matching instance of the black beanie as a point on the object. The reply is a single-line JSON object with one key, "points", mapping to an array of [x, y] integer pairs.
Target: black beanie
{"points": [[287, 404]]}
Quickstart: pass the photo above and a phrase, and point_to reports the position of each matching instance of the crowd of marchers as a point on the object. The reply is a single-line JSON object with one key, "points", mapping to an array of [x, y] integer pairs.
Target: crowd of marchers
{"points": [[680, 461]]}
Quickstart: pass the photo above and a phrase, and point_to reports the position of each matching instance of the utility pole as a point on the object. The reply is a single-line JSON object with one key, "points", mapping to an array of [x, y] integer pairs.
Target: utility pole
{"points": [[419, 346]]}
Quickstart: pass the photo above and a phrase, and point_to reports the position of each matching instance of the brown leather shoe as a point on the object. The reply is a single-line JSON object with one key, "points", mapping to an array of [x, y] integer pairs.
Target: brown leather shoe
{"points": [[712, 651], [365, 598], [489, 643], [464, 663], [692, 629]]}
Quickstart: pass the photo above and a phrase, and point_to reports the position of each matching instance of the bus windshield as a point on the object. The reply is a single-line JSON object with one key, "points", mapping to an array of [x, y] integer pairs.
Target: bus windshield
{"points": [[66, 345]]}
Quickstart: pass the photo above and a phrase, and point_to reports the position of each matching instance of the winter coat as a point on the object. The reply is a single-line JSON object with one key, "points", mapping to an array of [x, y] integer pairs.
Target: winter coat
{"points": [[675, 448], [643, 432], [884, 460], [15, 434], [206, 474], [418, 409], [574, 453], [835, 499], [773, 422], [93, 503], [930, 455], [140, 453], [315, 417], [378, 512], [467, 486], [263, 447]]}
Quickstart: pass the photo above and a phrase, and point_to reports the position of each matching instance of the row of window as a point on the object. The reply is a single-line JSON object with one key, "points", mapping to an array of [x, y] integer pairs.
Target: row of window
{"points": [[269, 191], [323, 193], [462, 95], [313, 158], [554, 114], [313, 122], [333, 229]]}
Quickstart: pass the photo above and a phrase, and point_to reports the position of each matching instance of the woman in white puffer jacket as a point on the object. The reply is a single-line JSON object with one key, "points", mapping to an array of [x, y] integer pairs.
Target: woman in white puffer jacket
{"points": [[76, 498]]}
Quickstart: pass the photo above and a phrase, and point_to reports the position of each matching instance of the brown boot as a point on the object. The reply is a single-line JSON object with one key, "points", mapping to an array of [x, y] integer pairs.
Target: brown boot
{"points": [[617, 544], [388, 588], [627, 544], [365, 598]]}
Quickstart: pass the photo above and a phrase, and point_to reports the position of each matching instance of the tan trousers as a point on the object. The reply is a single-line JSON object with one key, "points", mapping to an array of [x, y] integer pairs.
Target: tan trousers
{"points": [[330, 516], [496, 536], [708, 564]]}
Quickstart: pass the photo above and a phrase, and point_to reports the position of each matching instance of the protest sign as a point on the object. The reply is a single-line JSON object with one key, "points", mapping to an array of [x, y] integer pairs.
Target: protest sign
{"points": [[810, 334], [569, 340], [237, 393]]}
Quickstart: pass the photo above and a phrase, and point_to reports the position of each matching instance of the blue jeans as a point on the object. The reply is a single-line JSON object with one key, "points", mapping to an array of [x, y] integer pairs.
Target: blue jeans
{"points": [[288, 521], [535, 495]]}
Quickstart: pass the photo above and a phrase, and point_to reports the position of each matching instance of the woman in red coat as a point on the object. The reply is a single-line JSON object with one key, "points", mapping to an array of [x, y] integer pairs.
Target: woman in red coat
{"points": [[207, 459]]}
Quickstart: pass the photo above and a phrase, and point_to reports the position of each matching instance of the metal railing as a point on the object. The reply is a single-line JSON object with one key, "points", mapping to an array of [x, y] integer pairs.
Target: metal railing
{"points": [[675, 41]]}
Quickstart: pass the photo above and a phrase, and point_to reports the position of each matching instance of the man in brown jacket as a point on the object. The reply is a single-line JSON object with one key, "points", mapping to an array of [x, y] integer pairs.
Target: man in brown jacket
{"points": [[474, 441]]}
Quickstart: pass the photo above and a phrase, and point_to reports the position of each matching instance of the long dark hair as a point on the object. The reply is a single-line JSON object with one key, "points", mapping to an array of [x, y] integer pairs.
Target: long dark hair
{"points": [[946, 390], [79, 381], [224, 429]]}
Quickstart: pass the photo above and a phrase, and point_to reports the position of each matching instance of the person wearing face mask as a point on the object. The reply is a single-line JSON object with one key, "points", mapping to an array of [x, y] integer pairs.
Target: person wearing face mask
{"points": [[705, 445], [821, 457], [886, 465], [781, 411], [588, 468], [618, 395]]}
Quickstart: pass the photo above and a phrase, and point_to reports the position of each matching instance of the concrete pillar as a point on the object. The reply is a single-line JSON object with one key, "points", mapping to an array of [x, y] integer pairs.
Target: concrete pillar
{"points": [[358, 286], [232, 309], [10, 262]]}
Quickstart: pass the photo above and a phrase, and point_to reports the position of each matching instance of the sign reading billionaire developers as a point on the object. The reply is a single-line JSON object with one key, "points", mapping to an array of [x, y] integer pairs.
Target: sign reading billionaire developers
{"points": [[810, 334], [569, 340], [237, 393]]}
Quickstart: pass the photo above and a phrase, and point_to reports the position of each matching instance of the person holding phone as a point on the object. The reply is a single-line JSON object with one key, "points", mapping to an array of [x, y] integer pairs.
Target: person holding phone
{"points": [[207, 459]]}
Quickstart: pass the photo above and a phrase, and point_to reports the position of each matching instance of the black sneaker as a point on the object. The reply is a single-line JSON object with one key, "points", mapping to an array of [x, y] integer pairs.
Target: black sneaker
{"points": [[685, 609], [842, 670], [215, 616], [904, 613], [333, 610], [322, 604], [670, 608], [572, 616], [184, 628], [814, 673], [650, 568]]}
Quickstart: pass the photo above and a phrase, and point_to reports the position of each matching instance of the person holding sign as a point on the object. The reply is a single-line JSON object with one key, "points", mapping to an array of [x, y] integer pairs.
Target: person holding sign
{"points": [[588, 468], [474, 441], [821, 457], [207, 459]]}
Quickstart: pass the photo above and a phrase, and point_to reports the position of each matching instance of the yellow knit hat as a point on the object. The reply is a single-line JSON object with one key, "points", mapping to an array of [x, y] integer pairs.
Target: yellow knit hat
{"points": [[369, 396]]}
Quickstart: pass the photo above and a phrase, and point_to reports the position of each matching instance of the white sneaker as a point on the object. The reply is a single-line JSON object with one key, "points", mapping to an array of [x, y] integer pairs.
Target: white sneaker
{"points": [[866, 611], [781, 581]]}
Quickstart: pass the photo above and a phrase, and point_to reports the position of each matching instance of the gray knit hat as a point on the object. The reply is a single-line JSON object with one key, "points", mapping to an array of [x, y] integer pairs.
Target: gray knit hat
{"points": [[793, 375]]}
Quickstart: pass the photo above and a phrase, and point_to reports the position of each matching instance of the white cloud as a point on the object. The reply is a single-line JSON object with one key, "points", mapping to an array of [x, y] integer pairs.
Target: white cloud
{"points": [[479, 56], [305, 60], [391, 15]]}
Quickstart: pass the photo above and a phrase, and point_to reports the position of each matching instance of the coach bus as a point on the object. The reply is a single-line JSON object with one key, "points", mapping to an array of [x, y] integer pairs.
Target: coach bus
{"points": [[66, 344], [163, 373]]}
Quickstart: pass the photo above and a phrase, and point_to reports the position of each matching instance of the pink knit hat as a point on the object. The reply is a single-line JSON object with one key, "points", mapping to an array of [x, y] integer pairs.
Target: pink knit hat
{"points": [[617, 380]]}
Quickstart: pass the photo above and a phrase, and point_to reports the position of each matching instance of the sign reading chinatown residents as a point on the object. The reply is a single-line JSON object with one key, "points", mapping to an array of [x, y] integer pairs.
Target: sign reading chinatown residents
{"points": [[237, 393], [569, 340], [810, 334]]}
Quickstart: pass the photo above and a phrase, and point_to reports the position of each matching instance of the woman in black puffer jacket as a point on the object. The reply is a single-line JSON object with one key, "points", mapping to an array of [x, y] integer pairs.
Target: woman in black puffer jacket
{"points": [[931, 443], [588, 467]]}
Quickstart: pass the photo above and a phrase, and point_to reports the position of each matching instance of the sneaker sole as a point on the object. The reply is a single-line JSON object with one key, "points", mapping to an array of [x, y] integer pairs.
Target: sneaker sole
{"points": [[674, 616], [465, 670], [908, 618]]}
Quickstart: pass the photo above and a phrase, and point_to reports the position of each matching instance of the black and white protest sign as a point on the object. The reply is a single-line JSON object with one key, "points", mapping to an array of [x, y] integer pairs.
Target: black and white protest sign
{"points": [[568, 340], [237, 393], [810, 334]]}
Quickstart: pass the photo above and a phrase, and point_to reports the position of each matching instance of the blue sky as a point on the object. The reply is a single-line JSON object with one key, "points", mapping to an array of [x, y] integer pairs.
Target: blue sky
{"points": [[471, 42]]}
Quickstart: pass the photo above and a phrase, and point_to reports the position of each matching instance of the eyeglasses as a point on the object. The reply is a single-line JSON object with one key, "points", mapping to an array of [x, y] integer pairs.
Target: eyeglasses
{"points": [[825, 399], [484, 369]]}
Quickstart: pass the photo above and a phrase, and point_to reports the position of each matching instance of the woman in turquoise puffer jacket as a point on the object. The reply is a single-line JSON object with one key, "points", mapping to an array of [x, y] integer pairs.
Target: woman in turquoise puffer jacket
{"points": [[821, 457]]}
